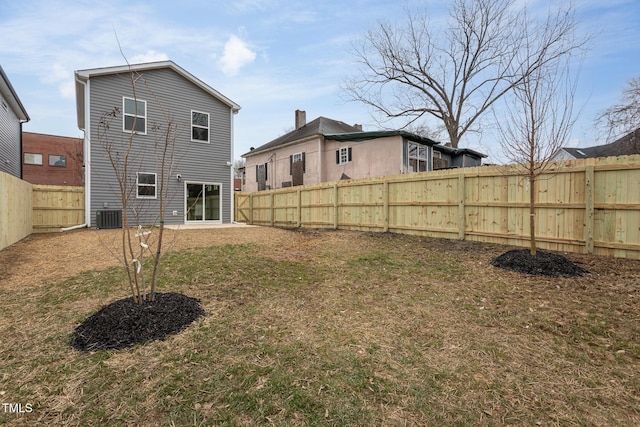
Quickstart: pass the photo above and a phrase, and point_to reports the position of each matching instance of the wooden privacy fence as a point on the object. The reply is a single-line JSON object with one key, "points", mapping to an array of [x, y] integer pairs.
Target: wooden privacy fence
{"points": [[589, 205], [56, 207], [15, 209]]}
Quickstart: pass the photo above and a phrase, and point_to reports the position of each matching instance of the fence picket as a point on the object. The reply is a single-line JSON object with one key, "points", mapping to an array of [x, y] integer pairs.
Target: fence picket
{"points": [[590, 205]]}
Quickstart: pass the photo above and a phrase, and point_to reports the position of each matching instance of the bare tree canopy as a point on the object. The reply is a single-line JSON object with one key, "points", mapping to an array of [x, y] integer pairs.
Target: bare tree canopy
{"points": [[238, 168], [536, 117], [623, 117], [453, 72]]}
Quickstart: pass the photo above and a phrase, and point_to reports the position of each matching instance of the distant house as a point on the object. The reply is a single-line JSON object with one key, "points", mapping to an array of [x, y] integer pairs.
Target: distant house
{"points": [[52, 159], [12, 116], [200, 187], [628, 144], [329, 150]]}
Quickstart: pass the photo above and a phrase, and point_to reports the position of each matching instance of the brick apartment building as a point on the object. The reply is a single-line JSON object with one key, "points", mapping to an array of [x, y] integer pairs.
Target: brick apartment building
{"points": [[52, 159]]}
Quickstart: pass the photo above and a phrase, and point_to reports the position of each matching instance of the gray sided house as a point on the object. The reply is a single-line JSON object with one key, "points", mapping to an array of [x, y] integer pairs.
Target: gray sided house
{"points": [[198, 179], [12, 115], [629, 144]]}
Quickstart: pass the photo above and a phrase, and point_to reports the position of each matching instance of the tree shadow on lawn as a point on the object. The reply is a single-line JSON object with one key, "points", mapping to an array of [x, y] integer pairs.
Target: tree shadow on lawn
{"points": [[541, 264], [123, 324]]}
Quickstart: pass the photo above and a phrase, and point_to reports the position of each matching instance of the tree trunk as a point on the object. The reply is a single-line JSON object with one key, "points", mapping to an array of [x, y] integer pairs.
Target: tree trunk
{"points": [[532, 215]]}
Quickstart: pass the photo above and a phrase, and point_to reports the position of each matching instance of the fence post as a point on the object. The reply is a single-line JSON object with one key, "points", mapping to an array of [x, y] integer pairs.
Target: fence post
{"points": [[299, 206], [385, 195], [335, 206], [251, 208], [461, 207], [273, 211], [589, 182]]}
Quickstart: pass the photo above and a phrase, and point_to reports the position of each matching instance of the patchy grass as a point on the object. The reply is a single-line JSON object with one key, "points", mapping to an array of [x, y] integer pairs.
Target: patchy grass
{"points": [[338, 328]]}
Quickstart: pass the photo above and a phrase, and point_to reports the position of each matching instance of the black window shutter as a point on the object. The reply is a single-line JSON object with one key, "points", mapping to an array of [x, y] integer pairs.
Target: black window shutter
{"points": [[349, 155], [265, 171], [303, 164], [337, 157], [291, 164], [257, 173]]}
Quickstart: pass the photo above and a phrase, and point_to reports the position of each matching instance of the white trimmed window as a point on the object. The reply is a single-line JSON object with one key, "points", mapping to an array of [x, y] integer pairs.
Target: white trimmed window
{"points": [[418, 160], [343, 155], [146, 183], [32, 159], [135, 115], [199, 126]]}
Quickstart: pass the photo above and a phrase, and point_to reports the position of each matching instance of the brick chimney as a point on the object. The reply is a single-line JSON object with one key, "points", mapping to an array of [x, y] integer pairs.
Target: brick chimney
{"points": [[301, 118], [358, 126]]}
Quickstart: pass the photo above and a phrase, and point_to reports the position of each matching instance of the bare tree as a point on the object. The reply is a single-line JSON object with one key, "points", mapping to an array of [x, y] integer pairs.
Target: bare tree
{"points": [[423, 130], [138, 241], [624, 117], [238, 167], [453, 72], [537, 116]]}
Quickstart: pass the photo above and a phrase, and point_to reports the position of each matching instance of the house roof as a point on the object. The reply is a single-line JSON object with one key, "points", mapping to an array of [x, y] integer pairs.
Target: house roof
{"points": [[628, 144], [407, 135], [458, 151], [339, 131], [10, 95], [379, 134], [82, 76], [319, 126]]}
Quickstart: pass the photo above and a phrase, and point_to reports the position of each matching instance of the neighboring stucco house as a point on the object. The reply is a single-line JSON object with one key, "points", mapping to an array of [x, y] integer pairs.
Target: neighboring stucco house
{"points": [[200, 176], [628, 144], [52, 159], [326, 150], [12, 116]]}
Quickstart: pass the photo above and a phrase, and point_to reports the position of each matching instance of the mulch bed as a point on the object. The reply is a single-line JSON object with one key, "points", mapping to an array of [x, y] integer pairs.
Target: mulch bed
{"points": [[541, 264], [124, 324]]}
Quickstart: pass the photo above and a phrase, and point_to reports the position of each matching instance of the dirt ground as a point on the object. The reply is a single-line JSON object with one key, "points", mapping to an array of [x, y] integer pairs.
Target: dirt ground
{"points": [[44, 257], [467, 339]]}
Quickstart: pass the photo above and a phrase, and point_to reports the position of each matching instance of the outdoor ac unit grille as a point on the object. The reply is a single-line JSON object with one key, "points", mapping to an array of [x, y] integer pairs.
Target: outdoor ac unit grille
{"points": [[109, 219]]}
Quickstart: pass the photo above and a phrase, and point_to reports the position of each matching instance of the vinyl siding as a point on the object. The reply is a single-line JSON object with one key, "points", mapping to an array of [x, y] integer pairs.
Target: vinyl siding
{"points": [[465, 161], [10, 160], [166, 90]]}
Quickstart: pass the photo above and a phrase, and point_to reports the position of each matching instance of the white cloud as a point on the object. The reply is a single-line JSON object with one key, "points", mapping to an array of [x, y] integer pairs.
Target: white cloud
{"points": [[149, 56], [236, 55], [59, 75]]}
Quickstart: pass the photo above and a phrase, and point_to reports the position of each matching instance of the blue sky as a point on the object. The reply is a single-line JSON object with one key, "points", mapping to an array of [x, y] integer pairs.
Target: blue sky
{"points": [[270, 56]]}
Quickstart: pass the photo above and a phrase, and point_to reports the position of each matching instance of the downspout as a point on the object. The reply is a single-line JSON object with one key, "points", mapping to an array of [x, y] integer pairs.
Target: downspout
{"points": [[21, 152], [232, 172], [320, 157], [87, 166], [73, 227], [87, 180], [274, 160]]}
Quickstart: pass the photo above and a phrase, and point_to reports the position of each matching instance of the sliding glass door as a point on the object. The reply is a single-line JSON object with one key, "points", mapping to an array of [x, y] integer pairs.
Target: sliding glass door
{"points": [[203, 202]]}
